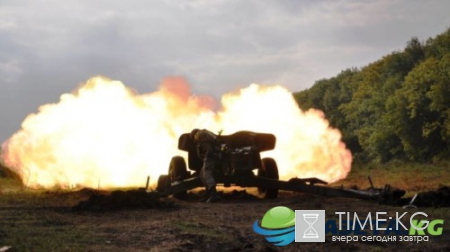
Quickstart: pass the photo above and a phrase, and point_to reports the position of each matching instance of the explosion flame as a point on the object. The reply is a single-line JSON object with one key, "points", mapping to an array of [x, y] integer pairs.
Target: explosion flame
{"points": [[106, 135]]}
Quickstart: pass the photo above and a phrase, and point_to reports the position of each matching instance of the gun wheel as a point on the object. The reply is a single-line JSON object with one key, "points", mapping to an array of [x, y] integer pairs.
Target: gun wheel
{"points": [[269, 169], [178, 172], [163, 183]]}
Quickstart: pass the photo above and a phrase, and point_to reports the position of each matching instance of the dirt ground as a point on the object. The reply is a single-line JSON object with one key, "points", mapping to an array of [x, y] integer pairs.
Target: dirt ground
{"points": [[47, 221]]}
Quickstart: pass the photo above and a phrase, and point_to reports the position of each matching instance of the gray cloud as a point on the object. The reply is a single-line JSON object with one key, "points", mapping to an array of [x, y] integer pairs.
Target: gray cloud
{"points": [[48, 47]]}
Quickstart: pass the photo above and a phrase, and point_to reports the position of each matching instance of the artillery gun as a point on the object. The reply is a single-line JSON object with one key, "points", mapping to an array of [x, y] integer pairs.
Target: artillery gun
{"points": [[239, 159], [238, 156]]}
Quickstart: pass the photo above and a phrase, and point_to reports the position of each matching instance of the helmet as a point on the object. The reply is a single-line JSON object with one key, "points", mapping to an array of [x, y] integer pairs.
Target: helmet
{"points": [[193, 133]]}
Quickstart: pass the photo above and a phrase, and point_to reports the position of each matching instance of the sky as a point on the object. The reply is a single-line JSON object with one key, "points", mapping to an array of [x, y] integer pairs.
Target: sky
{"points": [[49, 47]]}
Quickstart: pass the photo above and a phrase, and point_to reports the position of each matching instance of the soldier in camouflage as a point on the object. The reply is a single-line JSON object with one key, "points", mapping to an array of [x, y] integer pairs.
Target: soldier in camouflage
{"points": [[207, 149]]}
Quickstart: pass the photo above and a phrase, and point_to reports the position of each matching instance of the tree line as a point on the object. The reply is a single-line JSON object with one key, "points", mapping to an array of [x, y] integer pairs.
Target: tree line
{"points": [[395, 108]]}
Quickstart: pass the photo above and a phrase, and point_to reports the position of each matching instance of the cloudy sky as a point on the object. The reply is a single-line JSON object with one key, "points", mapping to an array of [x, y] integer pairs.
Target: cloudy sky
{"points": [[48, 47]]}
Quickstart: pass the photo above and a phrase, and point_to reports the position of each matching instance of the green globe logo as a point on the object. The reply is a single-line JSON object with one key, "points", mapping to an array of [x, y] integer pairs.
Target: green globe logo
{"points": [[278, 217], [277, 225]]}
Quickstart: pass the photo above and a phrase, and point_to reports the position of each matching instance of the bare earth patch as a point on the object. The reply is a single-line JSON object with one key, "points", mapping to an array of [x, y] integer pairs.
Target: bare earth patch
{"points": [[46, 221]]}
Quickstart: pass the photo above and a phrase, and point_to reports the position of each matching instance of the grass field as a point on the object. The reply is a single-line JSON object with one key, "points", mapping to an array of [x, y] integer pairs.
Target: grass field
{"points": [[412, 177], [38, 220]]}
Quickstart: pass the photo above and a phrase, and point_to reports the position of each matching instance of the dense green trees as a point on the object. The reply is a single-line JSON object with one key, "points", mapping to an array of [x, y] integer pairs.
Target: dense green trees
{"points": [[395, 108]]}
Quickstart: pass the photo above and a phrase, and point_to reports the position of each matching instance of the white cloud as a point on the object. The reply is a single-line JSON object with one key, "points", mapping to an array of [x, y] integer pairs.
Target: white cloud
{"points": [[10, 70], [217, 45]]}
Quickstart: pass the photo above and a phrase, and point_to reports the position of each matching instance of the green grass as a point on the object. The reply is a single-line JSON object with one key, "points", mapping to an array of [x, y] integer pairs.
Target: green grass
{"points": [[412, 177], [31, 220], [34, 231], [202, 230]]}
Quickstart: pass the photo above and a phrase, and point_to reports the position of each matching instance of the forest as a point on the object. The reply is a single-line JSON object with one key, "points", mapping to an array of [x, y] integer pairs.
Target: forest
{"points": [[396, 108]]}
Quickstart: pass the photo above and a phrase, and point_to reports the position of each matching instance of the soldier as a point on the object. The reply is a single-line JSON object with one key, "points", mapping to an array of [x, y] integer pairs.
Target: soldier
{"points": [[207, 150]]}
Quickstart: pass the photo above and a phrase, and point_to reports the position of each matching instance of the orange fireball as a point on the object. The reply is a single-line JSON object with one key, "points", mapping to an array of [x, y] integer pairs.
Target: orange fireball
{"points": [[104, 135]]}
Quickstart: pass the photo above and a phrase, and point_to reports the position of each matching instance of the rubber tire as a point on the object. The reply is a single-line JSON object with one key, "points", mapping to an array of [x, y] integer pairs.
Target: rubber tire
{"points": [[269, 169], [163, 183], [178, 172]]}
